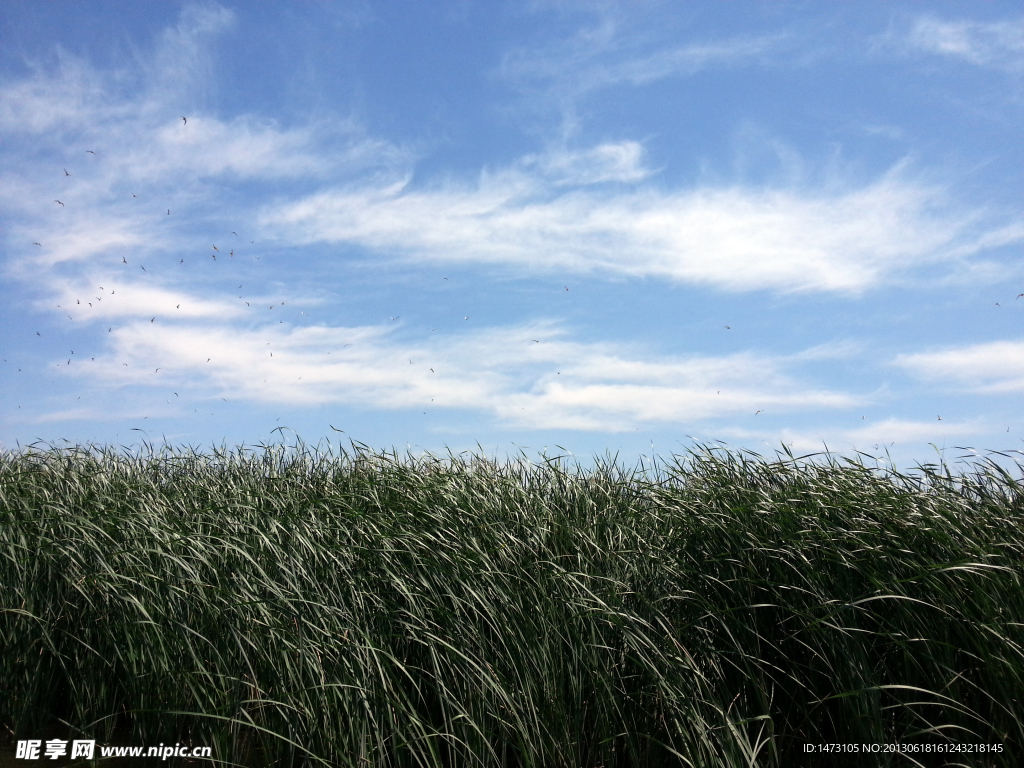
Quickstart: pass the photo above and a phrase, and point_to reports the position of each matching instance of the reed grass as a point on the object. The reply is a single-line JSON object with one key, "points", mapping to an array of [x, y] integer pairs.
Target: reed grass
{"points": [[353, 608]]}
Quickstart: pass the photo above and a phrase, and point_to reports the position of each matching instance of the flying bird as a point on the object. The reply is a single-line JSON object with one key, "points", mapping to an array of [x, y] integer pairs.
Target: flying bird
{"points": [[66, 172], [216, 249], [185, 121], [757, 412], [168, 211], [134, 195], [58, 201], [152, 319], [40, 244], [124, 260], [89, 152]]}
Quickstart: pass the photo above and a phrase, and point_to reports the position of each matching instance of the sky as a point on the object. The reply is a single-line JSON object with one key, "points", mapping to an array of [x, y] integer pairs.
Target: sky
{"points": [[559, 228]]}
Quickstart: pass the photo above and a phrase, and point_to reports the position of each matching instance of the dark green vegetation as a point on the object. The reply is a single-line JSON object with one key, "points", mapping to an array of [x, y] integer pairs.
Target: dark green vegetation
{"points": [[367, 610]]}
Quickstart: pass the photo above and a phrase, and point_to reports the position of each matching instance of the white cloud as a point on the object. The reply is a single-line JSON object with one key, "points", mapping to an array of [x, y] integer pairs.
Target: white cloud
{"points": [[999, 45], [616, 162], [122, 299], [735, 238], [526, 377], [996, 366]]}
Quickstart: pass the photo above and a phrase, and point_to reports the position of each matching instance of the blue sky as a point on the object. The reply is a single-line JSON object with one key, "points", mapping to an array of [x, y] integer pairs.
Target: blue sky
{"points": [[608, 227]]}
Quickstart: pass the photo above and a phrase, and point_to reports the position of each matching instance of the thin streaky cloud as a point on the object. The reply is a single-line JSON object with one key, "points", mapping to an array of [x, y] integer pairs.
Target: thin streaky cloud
{"points": [[502, 371], [597, 58], [992, 367], [122, 299]]}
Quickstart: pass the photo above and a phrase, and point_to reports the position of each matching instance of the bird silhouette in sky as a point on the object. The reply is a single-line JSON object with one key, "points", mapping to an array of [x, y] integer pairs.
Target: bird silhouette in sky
{"points": [[39, 244], [58, 201], [89, 152], [184, 120], [66, 172], [124, 260], [134, 195]]}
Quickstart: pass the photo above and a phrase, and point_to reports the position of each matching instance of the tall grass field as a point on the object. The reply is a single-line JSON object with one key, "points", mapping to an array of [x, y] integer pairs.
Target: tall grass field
{"points": [[300, 607]]}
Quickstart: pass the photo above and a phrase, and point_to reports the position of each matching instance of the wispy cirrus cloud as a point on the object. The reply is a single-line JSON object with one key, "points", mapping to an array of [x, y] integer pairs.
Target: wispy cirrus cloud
{"points": [[556, 77], [597, 58], [995, 45]]}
